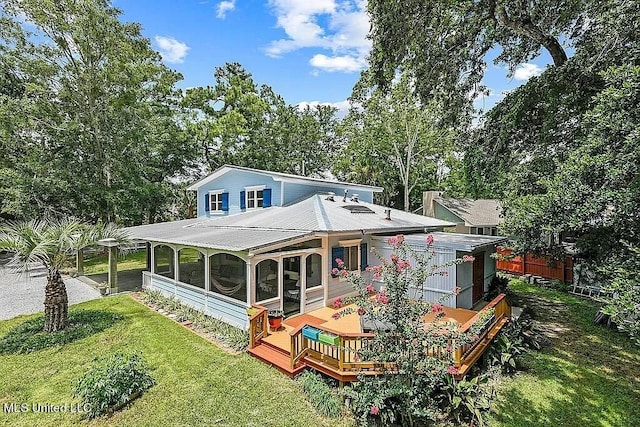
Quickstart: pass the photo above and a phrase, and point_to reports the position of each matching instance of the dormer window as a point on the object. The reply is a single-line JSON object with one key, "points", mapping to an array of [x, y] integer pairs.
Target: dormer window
{"points": [[216, 201], [255, 197]]}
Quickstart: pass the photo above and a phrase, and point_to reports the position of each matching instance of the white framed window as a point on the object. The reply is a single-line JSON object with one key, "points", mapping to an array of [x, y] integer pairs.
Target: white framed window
{"points": [[254, 197], [215, 201], [351, 254]]}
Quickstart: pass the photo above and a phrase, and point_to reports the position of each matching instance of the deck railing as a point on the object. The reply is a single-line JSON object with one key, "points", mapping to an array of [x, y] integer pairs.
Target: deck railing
{"points": [[491, 316], [343, 356], [258, 324]]}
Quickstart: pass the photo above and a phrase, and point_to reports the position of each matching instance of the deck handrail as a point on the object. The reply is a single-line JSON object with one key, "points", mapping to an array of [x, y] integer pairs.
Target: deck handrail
{"points": [[465, 354], [258, 325]]}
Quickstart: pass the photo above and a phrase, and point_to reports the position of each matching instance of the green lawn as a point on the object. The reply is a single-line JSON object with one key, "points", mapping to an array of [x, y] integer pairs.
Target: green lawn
{"points": [[197, 383], [95, 264], [589, 377]]}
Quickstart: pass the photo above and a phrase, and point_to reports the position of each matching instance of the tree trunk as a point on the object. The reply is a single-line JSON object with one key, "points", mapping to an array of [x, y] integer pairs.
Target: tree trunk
{"points": [[56, 303]]}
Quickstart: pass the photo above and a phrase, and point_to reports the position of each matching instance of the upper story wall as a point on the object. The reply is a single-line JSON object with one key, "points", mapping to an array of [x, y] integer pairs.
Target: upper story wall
{"points": [[234, 182]]}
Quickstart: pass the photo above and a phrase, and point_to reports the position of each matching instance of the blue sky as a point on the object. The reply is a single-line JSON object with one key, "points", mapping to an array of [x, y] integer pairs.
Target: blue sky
{"points": [[309, 51]]}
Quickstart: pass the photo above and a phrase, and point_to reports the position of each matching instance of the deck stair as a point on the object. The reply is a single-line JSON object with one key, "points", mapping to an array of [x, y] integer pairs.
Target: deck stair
{"points": [[276, 357]]}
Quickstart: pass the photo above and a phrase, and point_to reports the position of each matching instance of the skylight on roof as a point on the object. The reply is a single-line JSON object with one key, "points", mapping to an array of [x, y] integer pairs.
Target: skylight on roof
{"points": [[358, 209]]}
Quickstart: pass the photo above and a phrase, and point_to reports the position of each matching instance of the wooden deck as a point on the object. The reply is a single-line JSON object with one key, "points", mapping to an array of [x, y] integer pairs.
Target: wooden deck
{"points": [[288, 350]]}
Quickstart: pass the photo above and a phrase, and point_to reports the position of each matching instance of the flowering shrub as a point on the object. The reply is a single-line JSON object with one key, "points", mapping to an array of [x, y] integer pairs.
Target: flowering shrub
{"points": [[416, 357]]}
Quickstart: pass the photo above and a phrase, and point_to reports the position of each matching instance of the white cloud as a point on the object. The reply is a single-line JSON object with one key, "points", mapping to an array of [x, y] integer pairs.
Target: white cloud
{"points": [[337, 63], [337, 26], [341, 106], [171, 49], [224, 7], [526, 71]]}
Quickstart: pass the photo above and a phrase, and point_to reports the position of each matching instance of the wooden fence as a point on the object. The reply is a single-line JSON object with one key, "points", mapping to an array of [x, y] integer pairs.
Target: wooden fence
{"points": [[536, 266]]}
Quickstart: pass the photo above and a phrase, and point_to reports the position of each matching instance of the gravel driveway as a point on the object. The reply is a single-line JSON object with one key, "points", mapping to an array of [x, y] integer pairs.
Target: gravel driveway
{"points": [[24, 293]]}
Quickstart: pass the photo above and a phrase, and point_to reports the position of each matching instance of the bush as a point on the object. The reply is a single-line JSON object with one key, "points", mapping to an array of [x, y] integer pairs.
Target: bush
{"points": [[112, 383], [469, 400], [515, 339], [320, 394], [499, 285], [30, 336]]}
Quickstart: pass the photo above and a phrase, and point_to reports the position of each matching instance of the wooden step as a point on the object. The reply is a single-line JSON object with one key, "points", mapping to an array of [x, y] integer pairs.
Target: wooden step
{"points": [[276, 358]]}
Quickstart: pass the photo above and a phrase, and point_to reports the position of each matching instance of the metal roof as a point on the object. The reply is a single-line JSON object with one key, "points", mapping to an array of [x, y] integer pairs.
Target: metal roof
{"points": [[480, 212], [457, 241], [196, 232], [278, 176], [258, 228]]}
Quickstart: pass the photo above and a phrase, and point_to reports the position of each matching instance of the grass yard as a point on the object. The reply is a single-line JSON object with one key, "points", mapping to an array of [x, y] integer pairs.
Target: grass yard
{"points": [[99, 263], [197, 383], [589, 377]]}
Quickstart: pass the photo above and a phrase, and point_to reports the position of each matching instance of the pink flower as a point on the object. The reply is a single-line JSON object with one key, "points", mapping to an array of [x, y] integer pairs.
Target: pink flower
{"points": [[429, 239], [337, 303], [344, 273], [394, 258], [392, 241], [335, 271], [448, 348], [437, 307], [467, 258], [452, 370], [457, 290], [414, 343], [382, 298], [336, 315], [400, 238], [361, 311], [340, 262], [370, 289], [402, 264], [374, 410], [355, 358], [444, 273]]}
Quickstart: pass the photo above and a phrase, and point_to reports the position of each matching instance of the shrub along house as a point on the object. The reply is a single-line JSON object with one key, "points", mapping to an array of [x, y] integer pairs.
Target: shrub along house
{"points": [[272, 239]]}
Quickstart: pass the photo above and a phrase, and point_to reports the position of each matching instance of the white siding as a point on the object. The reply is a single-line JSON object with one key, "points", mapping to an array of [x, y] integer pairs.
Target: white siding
{"points": [[464, 280], [224, 309], [437, 288]]}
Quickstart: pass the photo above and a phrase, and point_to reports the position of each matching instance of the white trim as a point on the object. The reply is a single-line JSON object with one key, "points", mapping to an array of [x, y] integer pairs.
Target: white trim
{"points": [[351, 242], [269, 301], [218, 194], [216, 191], [277, 176], [255, 187]]}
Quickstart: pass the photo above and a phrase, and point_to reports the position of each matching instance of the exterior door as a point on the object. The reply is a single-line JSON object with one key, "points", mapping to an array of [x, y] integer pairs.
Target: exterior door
{"points": [[478, 277]]}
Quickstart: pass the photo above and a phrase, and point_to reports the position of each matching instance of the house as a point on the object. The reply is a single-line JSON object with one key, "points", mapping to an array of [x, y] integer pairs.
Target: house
{"points": [[272, 239], [471, 216]]}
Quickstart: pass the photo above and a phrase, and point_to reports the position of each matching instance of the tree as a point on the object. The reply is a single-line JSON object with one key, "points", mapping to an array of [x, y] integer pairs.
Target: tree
{"points": [[51, 243], [98, 135], [594, 194], [395, 141], [444, 43], [237, 122]]}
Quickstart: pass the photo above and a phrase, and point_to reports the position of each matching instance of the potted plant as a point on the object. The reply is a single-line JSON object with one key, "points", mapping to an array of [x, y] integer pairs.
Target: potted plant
{"points": [[275, 319]]}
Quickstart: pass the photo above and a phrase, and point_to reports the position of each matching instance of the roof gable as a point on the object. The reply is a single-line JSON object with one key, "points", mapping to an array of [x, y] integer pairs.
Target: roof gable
{"points": [[278, 176], [474, 212]]}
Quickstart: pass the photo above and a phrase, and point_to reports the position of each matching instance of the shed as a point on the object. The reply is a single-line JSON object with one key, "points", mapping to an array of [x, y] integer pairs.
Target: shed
{"points": [[472, 278]]}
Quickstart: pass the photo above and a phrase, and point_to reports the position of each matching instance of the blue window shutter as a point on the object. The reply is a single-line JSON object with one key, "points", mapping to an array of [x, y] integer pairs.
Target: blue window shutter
{"points": [[225, 202], [363, 256], [266, 198], [243, 202], [336, 252], [206, 202]]}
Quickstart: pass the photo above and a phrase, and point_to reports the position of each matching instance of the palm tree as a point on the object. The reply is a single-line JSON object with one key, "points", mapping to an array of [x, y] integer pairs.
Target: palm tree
{"points": [[50, 242]]}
